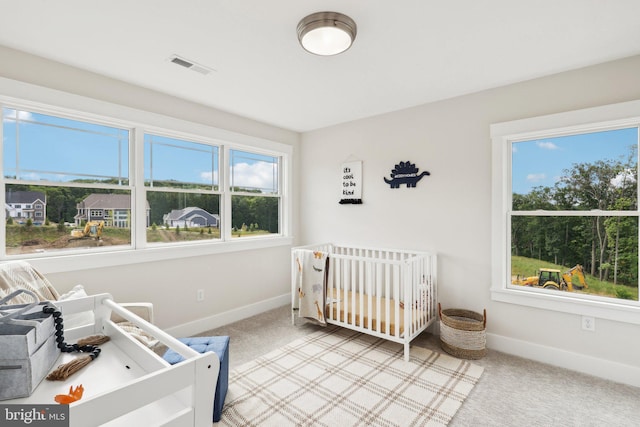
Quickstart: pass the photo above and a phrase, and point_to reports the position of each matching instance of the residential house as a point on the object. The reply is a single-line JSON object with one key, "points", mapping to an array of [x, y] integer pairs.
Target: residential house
{"points": [[113, 209], [24, 205], [190, 217]]}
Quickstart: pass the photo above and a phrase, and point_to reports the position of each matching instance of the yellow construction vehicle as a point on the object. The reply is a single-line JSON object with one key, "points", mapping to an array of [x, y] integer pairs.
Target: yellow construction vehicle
{"points": [[92, 230], [551, 278], [531, 280], [567, 278]]}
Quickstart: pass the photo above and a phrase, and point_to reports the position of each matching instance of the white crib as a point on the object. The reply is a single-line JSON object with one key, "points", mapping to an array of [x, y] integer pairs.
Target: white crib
{"points": [[386, 293]]}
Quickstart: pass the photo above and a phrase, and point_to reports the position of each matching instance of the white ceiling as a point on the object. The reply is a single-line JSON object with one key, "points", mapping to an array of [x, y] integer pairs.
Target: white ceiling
{"points": [[406, 53]]}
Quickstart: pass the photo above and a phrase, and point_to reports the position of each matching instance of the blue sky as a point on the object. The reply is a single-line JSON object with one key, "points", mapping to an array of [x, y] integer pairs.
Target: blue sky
{"points": [[541, 162], [62, 150]]}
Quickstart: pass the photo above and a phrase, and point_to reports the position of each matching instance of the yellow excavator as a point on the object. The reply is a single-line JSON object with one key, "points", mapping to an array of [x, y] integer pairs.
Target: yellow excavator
{"points": [[551, 278], [92, 230], [567, 277]]}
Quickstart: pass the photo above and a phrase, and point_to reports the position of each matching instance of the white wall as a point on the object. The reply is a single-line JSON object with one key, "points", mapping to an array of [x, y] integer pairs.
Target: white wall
{"points": [[450, 211], [232, 281]]}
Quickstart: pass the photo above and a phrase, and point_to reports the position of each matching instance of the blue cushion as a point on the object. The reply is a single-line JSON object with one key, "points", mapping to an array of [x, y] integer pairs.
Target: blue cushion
{"points": [[218, 345]]}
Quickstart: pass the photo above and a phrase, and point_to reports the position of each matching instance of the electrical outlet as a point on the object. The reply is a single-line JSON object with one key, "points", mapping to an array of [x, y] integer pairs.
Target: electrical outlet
{"points": [[588, 323], [200, 295]]}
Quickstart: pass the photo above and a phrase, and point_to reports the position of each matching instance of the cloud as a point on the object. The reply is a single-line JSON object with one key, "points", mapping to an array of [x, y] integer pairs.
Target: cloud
{"points": [[209, 177], [546, 145], [625, 177], [536, 177], [30, 176], [259, 175]]}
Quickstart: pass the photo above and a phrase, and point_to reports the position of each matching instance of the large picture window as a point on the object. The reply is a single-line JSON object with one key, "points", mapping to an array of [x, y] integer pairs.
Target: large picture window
{"points": [[76, 182], [574, 223], [255, 189], [565, 212], [74, 173], [181, 179]]}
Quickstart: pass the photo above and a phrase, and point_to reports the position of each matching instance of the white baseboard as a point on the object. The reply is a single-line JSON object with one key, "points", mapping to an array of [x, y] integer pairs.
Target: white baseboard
{"points": [[221, 319], [602, 368]]}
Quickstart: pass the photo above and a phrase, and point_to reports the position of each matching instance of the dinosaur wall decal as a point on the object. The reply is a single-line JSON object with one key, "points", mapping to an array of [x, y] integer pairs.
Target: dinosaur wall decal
{"points": [[405, 173]]}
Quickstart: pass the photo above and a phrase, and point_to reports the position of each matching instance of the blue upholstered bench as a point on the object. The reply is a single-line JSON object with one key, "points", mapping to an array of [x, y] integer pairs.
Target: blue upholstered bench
{"points": [[220, 346]]}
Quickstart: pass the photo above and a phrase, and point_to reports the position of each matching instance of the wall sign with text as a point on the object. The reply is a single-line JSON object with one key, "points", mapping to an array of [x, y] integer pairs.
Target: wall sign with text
{"points": [[351, 191]]}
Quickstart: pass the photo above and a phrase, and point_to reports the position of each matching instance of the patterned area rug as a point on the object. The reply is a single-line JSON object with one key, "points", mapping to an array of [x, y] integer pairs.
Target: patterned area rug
{"points": [[339, 377]]}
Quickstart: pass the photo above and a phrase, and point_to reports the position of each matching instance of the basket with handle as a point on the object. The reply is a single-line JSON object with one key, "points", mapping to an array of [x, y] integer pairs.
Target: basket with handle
{"points": [[463, 332]]}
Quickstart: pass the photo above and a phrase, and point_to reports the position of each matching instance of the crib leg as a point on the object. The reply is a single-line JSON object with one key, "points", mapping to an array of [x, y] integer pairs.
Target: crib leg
{"points": [[406, 352]]}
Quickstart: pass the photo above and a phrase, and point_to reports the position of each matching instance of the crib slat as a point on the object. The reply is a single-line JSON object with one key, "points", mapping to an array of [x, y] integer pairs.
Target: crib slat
{"points": [[419, 280], [380, 283], [344, 283], [352, 302], [361, 290], [370, 294], [397, 295], [416, 315], [338, 287], [330, 287]]}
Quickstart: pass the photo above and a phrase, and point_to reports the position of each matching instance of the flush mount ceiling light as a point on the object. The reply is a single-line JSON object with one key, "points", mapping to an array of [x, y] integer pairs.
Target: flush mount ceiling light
{"points": [[326, 33]]}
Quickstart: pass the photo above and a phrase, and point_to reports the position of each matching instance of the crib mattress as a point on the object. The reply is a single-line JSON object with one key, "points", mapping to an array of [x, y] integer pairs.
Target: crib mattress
{"points": [[346, 315]]}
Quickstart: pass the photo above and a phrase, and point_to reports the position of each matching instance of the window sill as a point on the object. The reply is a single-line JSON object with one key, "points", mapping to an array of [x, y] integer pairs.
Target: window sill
{"points": [[565, 304], [86, 261]]}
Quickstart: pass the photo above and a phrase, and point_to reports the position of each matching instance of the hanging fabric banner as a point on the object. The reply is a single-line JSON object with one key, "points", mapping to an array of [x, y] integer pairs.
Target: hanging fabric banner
{"points": [[351, 190]]}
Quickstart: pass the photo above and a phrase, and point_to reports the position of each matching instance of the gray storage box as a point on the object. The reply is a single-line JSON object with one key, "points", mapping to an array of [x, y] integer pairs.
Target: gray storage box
{"points": [[28, 350]]}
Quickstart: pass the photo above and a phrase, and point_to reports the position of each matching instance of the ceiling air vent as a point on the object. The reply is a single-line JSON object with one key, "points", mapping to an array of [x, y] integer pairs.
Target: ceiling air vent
{"points": [[190, 65]]}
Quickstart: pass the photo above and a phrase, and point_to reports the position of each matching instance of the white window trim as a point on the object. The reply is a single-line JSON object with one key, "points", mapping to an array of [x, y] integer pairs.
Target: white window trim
{"points": [[591, 119], [32, 97]]}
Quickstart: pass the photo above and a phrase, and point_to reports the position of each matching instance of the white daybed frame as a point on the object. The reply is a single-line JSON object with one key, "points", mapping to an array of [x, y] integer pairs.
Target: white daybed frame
{"points": [[387, 293], [128, 384]]}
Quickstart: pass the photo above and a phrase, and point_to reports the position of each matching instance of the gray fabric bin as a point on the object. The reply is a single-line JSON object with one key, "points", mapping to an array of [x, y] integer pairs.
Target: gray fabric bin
{"points": [[28, 350]]}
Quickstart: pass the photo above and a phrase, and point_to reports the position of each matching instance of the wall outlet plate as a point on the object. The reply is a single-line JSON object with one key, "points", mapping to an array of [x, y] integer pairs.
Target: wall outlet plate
{"points": [[588, 323]]}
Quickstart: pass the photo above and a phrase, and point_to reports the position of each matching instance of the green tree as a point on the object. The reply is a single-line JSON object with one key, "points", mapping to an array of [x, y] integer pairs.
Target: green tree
{"points": [[589, 185], [605, 245]]}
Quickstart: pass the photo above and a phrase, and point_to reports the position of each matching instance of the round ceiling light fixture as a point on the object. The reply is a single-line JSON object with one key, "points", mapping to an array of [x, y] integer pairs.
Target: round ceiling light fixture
{"points": [[326, 33]]}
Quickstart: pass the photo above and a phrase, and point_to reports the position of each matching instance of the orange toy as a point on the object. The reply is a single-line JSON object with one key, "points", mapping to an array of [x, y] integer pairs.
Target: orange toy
{"points": [[74, 394]]}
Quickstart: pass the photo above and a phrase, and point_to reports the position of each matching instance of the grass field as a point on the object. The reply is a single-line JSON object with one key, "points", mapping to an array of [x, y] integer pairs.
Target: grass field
{"points": [[528, 267], [23, 239], [161, 235]]}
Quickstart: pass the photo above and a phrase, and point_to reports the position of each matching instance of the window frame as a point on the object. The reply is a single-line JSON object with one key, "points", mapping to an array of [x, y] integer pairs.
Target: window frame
{"points": [[594, 119], [230, 193], [80, 116], [28, 97], [191, 138]]}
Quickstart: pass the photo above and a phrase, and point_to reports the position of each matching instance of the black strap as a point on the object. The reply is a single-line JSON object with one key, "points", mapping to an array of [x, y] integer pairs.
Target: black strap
{"points": [[93, 350]]}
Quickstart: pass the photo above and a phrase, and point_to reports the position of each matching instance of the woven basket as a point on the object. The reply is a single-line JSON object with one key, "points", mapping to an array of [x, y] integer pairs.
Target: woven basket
{"points": [[463, 333]]}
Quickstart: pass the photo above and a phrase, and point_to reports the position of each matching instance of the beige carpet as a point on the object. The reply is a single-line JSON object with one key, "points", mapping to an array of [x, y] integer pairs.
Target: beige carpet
{"points": [[337, 377]]}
